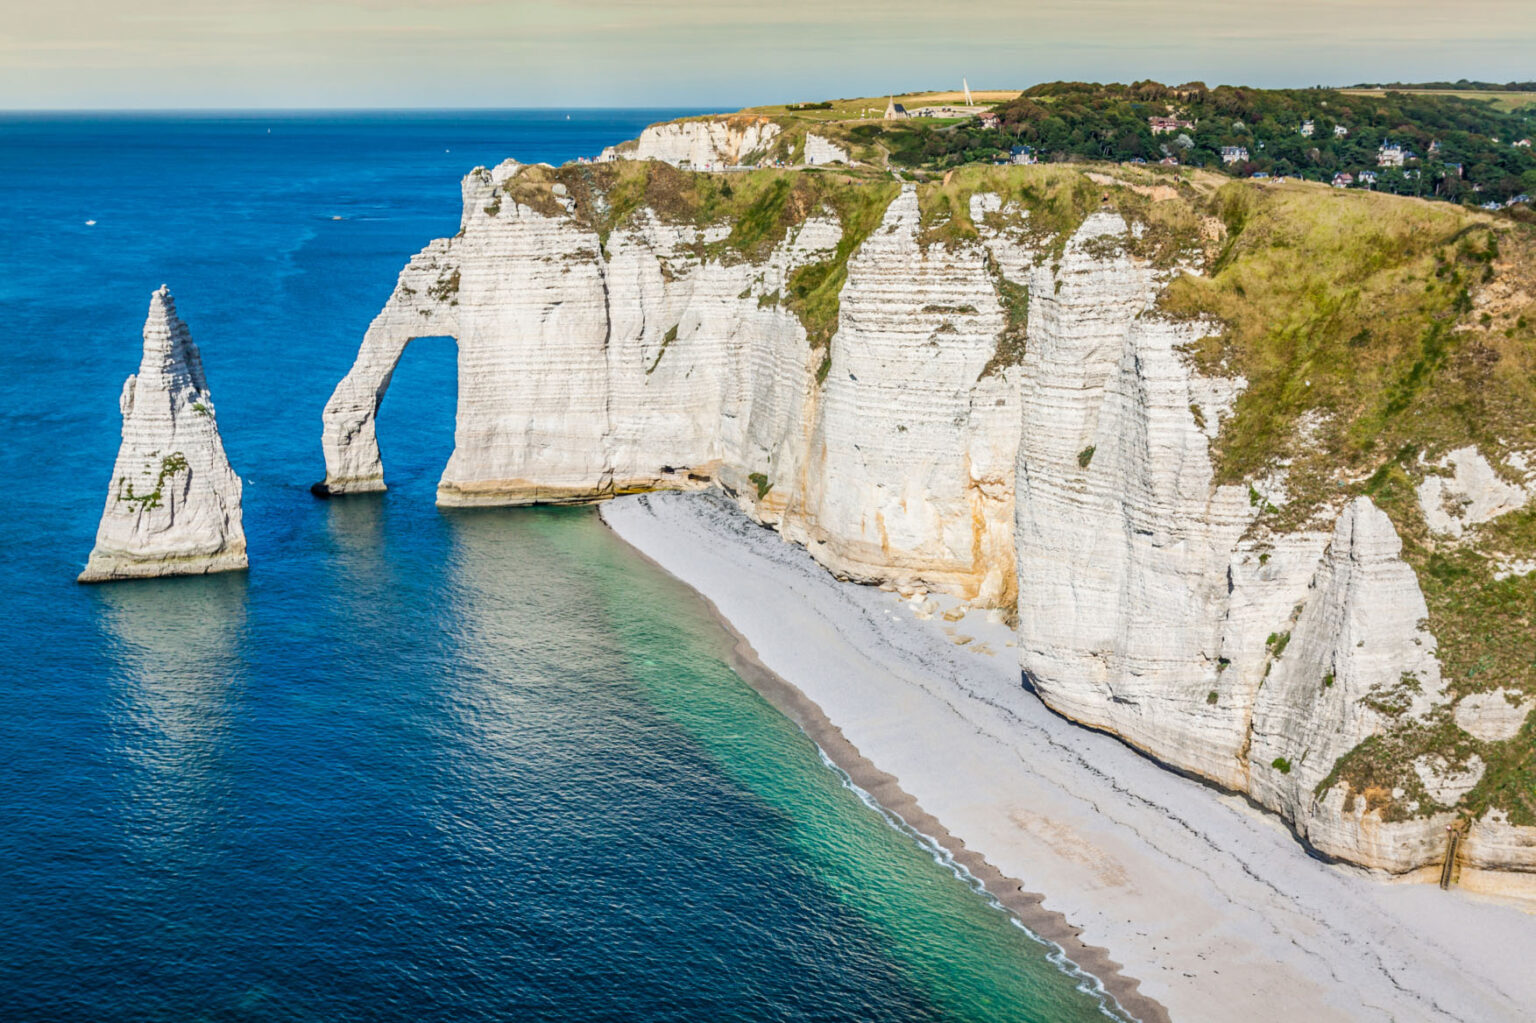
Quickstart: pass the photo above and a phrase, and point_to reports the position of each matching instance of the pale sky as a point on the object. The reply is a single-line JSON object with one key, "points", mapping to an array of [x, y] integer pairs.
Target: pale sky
{"points": [[716, 53]]}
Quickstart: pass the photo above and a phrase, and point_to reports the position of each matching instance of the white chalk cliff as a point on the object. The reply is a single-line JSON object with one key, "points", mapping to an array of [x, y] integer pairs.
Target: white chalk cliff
{"points": [[710, 142], [819, 151], [583, 375], [1075, 487], [1473, 493], [173, 505]]}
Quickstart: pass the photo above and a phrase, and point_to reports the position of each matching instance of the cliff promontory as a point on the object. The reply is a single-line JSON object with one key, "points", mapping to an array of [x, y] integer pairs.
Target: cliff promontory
{"points": [[1250, 464], [173, 506]]}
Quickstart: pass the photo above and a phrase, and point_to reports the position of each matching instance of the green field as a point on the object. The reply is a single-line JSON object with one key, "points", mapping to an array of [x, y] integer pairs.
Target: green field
{"points": [[873, 107], [1506, 101]]}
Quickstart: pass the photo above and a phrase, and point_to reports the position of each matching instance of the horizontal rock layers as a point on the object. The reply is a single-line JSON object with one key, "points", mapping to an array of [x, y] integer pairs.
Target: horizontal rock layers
{"points": [[590, 367], [1071, 483], [1153, 606], [710, 142], [173, 506]]}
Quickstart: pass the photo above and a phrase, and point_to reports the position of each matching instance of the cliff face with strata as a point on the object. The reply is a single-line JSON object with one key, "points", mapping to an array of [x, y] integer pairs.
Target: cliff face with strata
{"points": [[1070, 479], [173, 506], [706, 143], [593, 366]]}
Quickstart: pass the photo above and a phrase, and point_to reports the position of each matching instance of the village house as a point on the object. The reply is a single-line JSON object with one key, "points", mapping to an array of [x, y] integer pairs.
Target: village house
{"points": [[1234, 154], [1339, 131], [1343, 179], [990, 120], [1390, 155], [1524, 143], [1022, 155], [1307, 128], [1169, 161], [1434, 147], [1167, 125], [1366, 178]]}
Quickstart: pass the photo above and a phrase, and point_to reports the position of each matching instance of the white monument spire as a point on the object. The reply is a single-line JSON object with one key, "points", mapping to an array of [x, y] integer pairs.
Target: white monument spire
{"points": [[967, 87]]}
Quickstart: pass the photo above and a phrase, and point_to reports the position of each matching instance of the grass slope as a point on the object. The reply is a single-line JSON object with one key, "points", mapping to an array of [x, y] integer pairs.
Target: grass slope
{"points": [[1377, 334]]}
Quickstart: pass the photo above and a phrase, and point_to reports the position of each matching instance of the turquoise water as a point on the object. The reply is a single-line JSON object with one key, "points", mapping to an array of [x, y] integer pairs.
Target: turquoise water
{"points": [[417, 764]]}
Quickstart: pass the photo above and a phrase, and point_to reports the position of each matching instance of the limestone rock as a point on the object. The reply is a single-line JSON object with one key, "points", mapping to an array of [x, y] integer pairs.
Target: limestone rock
{"points": [[1510, 567], [592, 367], [1474, 493], [1446, 782], [819, 151], [1494, 716], [1499, 849], [1076, 489], [1152, 602], [1124, 545], [173, 506], [913, 446], [1357, 658], [710, 142]]}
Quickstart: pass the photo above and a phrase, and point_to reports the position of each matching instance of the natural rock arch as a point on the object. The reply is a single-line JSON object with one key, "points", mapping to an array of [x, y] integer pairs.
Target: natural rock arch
{"points": [[424, 304]]}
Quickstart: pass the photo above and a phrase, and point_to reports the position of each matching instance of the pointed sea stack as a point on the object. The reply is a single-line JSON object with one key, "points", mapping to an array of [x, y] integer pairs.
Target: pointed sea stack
{"points": [[173, 507]]}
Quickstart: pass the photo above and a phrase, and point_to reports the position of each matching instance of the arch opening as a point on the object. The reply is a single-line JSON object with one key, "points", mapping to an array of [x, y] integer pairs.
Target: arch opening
{"points": [[353, 464], [425, 304], [416, 424]]}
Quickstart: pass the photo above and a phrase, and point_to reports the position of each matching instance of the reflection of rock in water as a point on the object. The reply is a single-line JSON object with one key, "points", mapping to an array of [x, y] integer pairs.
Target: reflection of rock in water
{"points": [[356, 531], [523, 618], [516, 574], [176, 647]]}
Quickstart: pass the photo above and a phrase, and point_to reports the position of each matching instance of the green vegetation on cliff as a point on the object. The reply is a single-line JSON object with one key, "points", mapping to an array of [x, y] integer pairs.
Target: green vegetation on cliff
{"points": [[1462, 148], [1377, 335]]}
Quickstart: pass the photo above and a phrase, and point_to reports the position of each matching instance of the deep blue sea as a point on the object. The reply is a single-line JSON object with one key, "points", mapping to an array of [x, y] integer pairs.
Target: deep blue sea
{"points": [[417, 765]]}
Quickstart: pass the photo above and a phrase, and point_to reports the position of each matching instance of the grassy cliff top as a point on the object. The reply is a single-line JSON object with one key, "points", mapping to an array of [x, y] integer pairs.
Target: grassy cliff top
{"points": [[873, 107], [1461, 145]]}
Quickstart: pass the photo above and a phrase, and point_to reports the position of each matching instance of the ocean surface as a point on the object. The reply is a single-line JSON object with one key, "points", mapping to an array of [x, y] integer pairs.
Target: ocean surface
{"points": [[417, 765]]}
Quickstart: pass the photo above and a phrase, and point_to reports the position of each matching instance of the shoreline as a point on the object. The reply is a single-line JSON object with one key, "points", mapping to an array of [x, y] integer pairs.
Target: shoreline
{"points": [[885, 789], [1183, 902]]}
